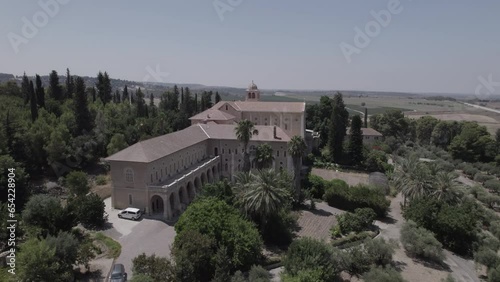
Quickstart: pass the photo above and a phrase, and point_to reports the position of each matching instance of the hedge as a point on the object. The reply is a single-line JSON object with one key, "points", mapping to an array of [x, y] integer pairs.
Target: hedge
{"points": [[352, 198]]}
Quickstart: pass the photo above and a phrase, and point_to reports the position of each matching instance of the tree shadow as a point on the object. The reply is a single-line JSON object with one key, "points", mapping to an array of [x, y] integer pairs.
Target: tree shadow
{"points": [[388, 220], [89, 276], [443, 266], [320, 212], [399, 265]]}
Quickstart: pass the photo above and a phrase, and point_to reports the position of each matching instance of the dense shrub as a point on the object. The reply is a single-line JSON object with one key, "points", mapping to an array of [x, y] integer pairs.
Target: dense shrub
{"points": [[380, 251], [420, 242], [380, 274], [192, 253], [358, 221], [356, 197], [494, 228], [278, 230], [317, 186], [486, 257], [101, 180], [494, 274], [307, 254], [493, 185], [258, 274], [455, 226], [224, 224], [479, 177], [470, 171]]}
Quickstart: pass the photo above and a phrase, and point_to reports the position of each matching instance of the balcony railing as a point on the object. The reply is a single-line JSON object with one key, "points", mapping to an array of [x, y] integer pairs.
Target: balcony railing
{"points": [[193, 171]]}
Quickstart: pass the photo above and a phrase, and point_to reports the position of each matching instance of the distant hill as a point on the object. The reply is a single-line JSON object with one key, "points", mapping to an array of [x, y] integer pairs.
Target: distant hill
{"points": [[234, 93]]}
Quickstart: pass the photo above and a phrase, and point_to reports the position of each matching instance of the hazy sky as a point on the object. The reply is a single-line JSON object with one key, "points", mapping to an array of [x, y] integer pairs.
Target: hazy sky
{"points": [[426, 46]]}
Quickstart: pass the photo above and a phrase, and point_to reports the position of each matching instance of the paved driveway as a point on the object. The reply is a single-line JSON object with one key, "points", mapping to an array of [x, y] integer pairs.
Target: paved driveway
{"points": [[148, 236]]}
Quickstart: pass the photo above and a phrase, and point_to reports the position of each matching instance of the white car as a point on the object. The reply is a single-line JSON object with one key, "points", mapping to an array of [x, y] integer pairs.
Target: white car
{"points": [[130, 213]]}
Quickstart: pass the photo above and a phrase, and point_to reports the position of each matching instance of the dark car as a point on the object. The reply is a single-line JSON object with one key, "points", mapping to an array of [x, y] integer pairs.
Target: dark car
{"points": [[118, 273]]}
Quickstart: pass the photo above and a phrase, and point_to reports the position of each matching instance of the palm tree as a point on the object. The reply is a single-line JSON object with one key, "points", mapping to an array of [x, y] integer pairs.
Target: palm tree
{"points": [[447, 188], [265, 195], [264, 156], [412, 178], [244, 131], [296, 149]]}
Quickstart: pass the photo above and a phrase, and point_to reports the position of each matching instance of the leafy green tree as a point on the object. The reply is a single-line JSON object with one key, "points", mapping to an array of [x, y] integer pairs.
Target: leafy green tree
{"points": [[46, 212], [159, 269], [264, 156], [222, 268], [224, 224], [55, 89], [82, 113], [104, 89], [258, 274], [338, 127], [381, 274], [487, 257], [142, 278], [244, 131], [392, 123], [78, 183], [296, 149], [455, 225], [425, 128], [355, 150], [192, 253], [358, 221], [89, 210], [39, 262], [221, 190], [380, 251], [116, 144], [66, 246], [40, 92], [33, 102], [306, 254], [497, 135], [420, 242], [474, 143], [56, 146]]}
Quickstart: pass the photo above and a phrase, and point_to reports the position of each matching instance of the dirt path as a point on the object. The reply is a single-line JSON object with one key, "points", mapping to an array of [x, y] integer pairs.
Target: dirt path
{"points": [[413, 271]]}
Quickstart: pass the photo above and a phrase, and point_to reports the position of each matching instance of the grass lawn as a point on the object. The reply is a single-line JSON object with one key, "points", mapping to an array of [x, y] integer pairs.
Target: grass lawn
{"points": [[114, 247]]}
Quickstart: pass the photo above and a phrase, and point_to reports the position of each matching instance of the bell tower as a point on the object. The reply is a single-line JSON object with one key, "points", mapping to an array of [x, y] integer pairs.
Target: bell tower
{"points": [[253, 93]]}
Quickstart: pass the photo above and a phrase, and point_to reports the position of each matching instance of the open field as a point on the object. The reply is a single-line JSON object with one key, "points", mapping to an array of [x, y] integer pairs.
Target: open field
{"points": [[488, 119]]}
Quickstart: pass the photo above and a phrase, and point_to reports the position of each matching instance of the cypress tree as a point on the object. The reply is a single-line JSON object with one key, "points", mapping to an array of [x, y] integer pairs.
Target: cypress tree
{"points": [[55, 87], [82, 113], [108, 90], [217, 97], [94, 94], [40, 92], [366, 117], [70, 84], [338, 126], [356, 141], [25, 88], [141, 105], [195, 110], [125, 97], [33, 103]]}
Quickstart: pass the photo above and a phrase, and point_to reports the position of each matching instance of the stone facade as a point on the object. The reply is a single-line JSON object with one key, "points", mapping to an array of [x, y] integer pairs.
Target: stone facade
{"points": [[163, 175]]}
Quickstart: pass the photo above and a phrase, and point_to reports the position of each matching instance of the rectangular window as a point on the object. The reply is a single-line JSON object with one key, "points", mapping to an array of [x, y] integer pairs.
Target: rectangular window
{"points": [[130, 203], [277, 153]]}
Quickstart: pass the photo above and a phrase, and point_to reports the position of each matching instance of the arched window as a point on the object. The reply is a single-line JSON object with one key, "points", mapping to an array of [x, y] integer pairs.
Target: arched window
{"points": [[129, 175]]}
